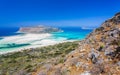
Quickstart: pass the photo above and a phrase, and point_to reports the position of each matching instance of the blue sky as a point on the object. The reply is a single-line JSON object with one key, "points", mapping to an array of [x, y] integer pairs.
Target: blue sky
{"points": [[83, 13]]}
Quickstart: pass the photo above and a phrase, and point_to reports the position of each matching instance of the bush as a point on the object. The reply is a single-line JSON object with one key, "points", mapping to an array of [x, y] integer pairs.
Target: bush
{"points": [[28, 60]]}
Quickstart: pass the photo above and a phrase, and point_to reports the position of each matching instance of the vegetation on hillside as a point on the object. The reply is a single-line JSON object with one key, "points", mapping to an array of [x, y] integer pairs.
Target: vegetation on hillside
{"points": [[28, 61]]}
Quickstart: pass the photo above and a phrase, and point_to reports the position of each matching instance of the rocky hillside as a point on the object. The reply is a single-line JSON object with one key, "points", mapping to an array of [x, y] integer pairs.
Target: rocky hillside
{"points": [[97, 54]]}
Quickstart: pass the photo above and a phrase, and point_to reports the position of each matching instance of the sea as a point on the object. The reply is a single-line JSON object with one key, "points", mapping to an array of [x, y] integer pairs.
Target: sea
{"points": [[11, 40]]}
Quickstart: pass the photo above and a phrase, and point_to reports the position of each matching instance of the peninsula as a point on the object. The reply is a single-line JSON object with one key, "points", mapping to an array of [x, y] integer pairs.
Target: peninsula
{"points": [[38, 29]]}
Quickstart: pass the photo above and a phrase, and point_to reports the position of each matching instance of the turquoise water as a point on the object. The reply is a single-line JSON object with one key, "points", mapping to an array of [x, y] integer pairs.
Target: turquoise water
{"points": [[11, 41], [70, 36], [72, 33]]}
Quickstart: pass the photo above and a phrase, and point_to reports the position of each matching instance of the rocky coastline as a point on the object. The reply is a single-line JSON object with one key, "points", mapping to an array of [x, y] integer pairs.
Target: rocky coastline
{"points": [[38, 29]]}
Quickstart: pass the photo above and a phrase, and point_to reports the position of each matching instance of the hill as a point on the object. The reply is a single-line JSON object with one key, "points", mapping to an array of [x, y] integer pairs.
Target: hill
{"points": [[97, 54]]}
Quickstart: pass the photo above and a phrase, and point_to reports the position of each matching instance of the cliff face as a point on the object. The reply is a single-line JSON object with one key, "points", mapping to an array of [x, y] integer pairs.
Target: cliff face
{"points": [[97, 54], [38, 29]]}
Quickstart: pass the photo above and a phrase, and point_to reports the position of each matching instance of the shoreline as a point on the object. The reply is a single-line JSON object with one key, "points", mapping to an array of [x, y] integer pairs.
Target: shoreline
{"points": [[33, 47], [34, 40]]}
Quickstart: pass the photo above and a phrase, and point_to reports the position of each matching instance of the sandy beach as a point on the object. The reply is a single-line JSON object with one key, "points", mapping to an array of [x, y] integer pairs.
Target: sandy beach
{"points": [[34, 41]]}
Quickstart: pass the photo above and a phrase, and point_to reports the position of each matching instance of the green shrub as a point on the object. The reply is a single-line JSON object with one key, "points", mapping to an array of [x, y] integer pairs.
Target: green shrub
{"points": [[28, 59]]}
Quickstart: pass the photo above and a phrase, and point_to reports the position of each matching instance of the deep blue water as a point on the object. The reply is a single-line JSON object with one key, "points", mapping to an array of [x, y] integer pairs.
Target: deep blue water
{"points": [[8, 31]]}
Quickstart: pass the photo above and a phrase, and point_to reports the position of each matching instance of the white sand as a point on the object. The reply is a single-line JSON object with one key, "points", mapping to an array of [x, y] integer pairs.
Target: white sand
{"points": [[24, 38], [35, 40]]}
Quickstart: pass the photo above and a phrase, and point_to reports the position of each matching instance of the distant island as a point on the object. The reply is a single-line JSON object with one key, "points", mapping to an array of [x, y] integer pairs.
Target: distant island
{"points": [[39, 29]]}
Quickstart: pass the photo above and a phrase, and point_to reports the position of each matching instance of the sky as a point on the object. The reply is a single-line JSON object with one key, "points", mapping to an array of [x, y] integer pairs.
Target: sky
{"points": [[82, 13]]}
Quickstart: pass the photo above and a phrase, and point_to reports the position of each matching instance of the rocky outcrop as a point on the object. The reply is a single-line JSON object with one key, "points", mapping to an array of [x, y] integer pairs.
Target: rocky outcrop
{"points": [[38, 29], [97, 54]]}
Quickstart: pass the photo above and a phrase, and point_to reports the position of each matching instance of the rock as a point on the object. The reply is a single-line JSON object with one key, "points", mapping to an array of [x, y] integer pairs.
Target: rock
{"points": [[93, 58], [97, 69], [79, 64], [85, 73], [100, 48]]}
